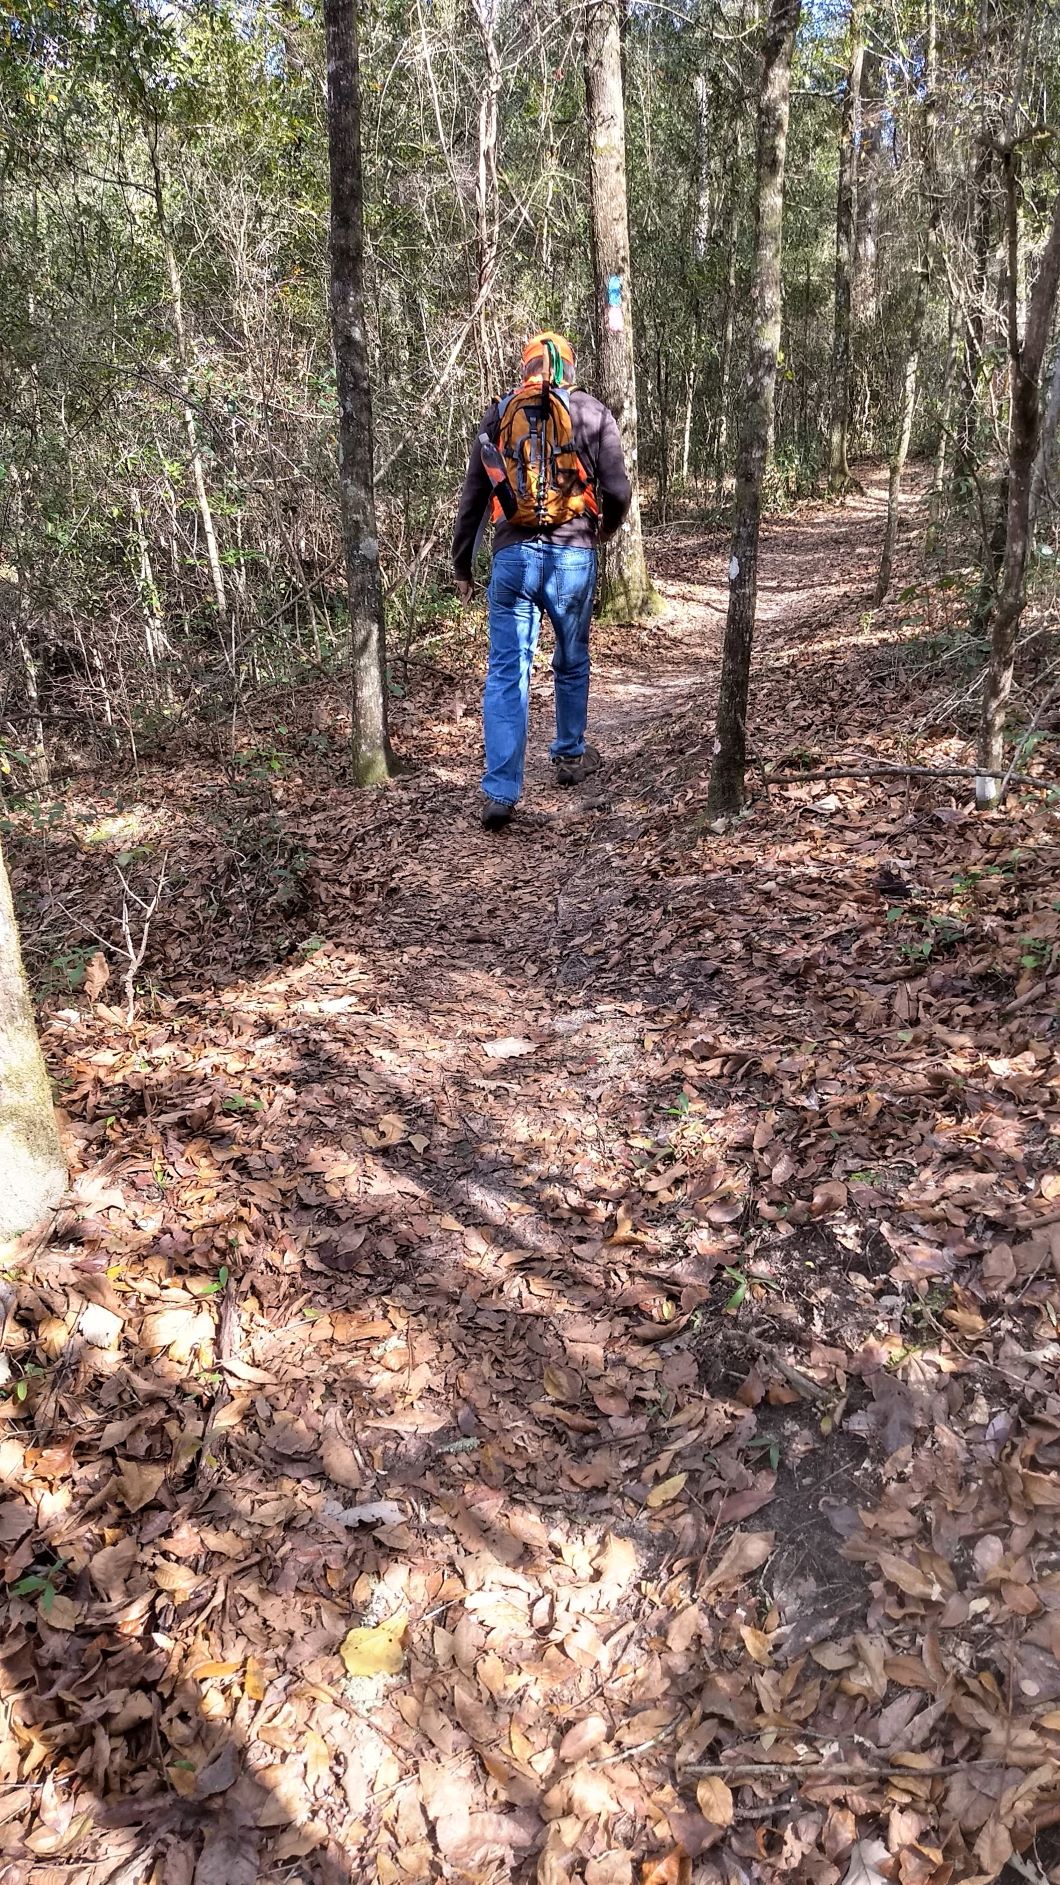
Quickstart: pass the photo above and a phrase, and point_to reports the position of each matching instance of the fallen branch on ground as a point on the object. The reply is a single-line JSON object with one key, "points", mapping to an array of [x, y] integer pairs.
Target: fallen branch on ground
{"points": [[818, 1771], [885, 770]]}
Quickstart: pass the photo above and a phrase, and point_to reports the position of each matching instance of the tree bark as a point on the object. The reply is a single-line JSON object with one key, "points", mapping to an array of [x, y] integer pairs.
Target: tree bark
{"points": [[32, 1166], [1043, 463], [726, 791], [487, 188], [896, 468], [838, 466], [1025, 366], [626, 590], [369, 742], [916, 325]]}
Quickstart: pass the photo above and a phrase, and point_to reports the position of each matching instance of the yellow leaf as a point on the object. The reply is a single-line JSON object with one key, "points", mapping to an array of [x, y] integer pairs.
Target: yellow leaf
{"points": [[377, 1651], [665, 1491], [254, 1681], [756, 1643], [213, 1671], [715, 1800]]}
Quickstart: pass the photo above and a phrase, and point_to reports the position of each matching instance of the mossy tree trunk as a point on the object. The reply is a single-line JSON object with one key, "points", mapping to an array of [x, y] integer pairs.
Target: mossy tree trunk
{"points": [[32, 1167]]}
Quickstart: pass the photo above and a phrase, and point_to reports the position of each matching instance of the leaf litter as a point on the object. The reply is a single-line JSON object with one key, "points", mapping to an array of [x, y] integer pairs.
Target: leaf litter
{"points": [[547, 1368]]}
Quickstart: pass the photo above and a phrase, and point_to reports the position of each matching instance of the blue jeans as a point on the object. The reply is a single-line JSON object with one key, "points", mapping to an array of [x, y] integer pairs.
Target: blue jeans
{"points": [[528, 578]]}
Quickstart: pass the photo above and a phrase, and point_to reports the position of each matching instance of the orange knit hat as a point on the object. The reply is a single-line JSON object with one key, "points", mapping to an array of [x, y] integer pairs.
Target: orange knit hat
{"points": [[549, 345]]}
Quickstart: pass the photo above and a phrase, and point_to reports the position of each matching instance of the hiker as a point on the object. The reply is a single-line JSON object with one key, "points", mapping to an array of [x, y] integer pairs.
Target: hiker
{"points": [[547, 523]]}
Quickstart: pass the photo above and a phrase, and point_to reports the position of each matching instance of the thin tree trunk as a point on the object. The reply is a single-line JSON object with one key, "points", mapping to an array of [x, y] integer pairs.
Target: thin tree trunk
{"points": [[626, 590], [32, 1166], [867, 211], [721, 450], [938, 478], [180, 335], [966, 459], [916, 325], [726, 791], [1025, 366], [487, 192], [838, 466], [1047, 445], [369, 741], [905, 431]]}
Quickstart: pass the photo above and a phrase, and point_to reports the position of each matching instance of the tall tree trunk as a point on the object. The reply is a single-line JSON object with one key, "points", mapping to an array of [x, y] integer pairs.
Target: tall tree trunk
{"points": [[896, 468], [838, 466], [916, 324], [1043, 462], [726, 791], [370, 745], [966, 457], [32, 1166], [721, 451], [1025, 367], [487, 190], [627, 592], [180, 336], [867, 210]]}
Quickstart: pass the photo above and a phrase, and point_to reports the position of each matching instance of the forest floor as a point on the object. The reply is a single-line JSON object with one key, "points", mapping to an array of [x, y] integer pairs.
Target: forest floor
{"points": [[548, 1367]]}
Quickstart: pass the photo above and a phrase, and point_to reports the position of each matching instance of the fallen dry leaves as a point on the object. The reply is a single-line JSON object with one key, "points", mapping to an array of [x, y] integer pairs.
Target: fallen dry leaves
{"points": [[548, 1367]]}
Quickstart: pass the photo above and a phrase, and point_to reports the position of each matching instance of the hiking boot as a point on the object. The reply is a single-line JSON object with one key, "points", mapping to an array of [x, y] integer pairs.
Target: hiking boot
{"points": [[575, 770], [493, 813]]}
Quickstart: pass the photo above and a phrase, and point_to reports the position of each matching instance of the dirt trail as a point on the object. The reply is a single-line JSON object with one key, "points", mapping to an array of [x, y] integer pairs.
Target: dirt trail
{"points": [[603, 1213]]}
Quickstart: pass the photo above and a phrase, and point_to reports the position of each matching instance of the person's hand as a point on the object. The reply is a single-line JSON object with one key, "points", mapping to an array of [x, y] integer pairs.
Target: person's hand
{"points": [[465, 589]]}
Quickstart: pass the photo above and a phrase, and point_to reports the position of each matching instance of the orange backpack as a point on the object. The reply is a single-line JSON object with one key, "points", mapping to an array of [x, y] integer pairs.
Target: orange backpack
{"points": [[538, 477]]}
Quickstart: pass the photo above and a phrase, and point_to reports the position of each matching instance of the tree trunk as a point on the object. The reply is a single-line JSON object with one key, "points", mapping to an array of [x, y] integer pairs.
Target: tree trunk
{"points": [[32, 1167], [916, 324], [726, 792], [370, 745], [626, 591], [966, 458], [1025, 366], [867, 211], [838, 467], [487, 189], [1043, 462], [721, 449], [905, 430]]}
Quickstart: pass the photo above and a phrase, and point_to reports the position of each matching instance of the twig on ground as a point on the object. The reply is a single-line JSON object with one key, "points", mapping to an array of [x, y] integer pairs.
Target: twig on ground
{"points": [[818, 1771], [137, 951], [810, 1390], [884, 770]]}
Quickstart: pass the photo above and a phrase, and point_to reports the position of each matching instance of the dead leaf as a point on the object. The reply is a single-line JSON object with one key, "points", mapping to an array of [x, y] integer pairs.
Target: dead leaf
{"points": [[582, 1738], [714, 1799], [229, 1857], [139, 1483], [675, 1869], [97, 975], [376, 1650], [745, 1552], [562, 1384], [509, 1047], [338, 1458], [666, 1491], [866, 1856]]}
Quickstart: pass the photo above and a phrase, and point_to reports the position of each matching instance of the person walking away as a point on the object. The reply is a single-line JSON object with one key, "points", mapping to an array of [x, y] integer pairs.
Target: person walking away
{"points": [[546, 469]]}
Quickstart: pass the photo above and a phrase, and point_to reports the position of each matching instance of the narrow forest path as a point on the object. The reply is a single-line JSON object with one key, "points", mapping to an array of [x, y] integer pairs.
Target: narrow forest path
{"points": [[615, 1255]]}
